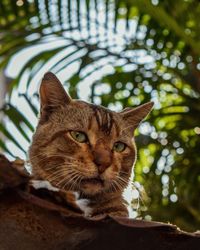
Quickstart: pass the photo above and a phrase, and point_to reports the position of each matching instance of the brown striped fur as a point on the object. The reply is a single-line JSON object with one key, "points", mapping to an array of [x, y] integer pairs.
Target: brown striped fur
{"points": [[93, 169]]}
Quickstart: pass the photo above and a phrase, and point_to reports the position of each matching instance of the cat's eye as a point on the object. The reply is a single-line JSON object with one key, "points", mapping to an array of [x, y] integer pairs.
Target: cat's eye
{"points": [[119, 146], [79, 136]]}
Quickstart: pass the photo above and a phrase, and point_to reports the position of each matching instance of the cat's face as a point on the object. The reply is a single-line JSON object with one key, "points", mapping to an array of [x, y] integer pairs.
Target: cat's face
{"points": [[80, 146]]}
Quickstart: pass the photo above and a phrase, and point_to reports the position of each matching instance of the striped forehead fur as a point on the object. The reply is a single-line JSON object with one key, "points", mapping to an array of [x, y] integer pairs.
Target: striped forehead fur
{"points": [[104, 119]]}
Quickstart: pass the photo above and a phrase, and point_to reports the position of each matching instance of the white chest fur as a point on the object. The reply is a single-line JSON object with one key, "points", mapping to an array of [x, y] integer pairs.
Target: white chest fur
{"points": [[37, 184], [83, 204]]}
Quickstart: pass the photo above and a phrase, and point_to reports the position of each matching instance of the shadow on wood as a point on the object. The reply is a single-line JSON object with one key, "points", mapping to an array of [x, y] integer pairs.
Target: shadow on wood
{"points": [[28, 221]]}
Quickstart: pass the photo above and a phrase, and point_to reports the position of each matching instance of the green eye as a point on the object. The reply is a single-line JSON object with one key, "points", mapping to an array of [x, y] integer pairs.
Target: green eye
{"points": [[119, 146], [79, 136]]}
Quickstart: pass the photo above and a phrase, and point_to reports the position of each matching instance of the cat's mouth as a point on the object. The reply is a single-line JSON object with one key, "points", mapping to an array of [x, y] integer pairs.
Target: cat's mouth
{"points": [[96, 181]]}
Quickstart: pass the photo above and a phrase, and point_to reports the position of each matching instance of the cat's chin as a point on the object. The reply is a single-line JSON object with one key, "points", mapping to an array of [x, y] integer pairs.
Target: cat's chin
{"points": [[92, 186], [92, 181]]}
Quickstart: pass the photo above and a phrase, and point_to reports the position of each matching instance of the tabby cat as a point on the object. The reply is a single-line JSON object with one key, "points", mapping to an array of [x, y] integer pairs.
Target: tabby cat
{"points": [[85, 150]]}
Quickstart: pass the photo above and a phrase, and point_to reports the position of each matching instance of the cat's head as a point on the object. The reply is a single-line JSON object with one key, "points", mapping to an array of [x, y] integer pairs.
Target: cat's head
{"points": [[80, 146]]}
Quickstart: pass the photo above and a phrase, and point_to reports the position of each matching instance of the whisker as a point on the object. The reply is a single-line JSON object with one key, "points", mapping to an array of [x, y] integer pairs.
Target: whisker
{"points": [[55, 176], [46, 157], [72, 181], [70, 177]]}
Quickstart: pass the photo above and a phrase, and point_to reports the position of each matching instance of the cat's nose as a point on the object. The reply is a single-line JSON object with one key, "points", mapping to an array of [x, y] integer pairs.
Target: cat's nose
{"points": [[102, 162], [102, 168], [102, 159]]}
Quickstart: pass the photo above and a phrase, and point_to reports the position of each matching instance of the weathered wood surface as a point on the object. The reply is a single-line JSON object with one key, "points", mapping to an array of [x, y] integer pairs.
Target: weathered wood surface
{"points": [[29, 222]]}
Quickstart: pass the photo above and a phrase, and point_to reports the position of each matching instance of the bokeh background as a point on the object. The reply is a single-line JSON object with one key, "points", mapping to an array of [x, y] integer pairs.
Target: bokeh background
{"points": [[117, 54]]}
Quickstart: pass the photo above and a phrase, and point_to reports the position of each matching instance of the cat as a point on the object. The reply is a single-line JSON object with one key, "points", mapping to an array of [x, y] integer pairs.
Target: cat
{"points": [[85, 150]]}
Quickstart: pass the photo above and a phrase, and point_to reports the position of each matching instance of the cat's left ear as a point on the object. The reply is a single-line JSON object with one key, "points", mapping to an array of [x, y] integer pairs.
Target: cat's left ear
{"points": [[52, 93], [52, 96], [133, 116]]}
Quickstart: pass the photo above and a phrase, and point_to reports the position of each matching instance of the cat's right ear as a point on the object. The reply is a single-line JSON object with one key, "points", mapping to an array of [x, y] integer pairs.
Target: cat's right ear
{"points": [[52, 95]]}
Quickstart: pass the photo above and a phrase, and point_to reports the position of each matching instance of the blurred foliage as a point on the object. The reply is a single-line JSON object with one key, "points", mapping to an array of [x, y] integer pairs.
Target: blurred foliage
{"points": [[152, 50]]}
